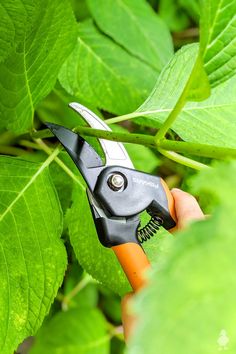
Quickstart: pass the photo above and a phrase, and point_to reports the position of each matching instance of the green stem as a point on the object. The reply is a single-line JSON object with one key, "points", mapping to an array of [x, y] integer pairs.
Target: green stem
{"points": [[198, 66], [117, 136], [41, 134], [48, 151], [30, 144], [205, 150], [183, 160], [11, 150], [133, 115], [81, 285], [148, 140], [172, 116]]}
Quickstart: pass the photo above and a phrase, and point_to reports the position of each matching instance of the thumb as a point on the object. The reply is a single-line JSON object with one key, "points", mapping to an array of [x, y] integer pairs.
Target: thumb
{"points": [[186, 207]]}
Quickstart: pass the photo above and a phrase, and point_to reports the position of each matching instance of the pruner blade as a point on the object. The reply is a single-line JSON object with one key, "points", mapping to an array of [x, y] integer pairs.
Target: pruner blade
{"points": [[115, 153], [84, 156]]}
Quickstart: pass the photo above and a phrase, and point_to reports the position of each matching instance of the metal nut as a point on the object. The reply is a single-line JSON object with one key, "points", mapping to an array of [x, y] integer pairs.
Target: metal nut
{"points": [[116, 181]]}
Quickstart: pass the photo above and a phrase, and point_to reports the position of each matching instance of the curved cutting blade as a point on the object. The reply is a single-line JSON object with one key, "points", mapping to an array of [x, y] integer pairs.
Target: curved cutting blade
{"points": [[115, 153]]}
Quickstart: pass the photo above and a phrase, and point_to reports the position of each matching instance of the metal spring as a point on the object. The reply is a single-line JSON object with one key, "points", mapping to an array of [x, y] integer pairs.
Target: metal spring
{"points": [[150, 229]]}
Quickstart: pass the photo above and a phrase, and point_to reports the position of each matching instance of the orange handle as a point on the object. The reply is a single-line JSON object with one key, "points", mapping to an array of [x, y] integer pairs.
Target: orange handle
{"points": [[170, 200], [131, 255], [134, 263]]}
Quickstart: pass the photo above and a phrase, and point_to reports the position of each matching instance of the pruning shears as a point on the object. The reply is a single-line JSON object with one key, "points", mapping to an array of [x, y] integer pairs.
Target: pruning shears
{"points": [[118, 194]]}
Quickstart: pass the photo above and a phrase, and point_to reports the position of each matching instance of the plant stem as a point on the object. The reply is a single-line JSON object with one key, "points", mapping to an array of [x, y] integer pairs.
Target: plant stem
{"points": [[148, 140], [172, 116], [48, 151], [44, 133], [30, 144], [188, 93], [11, 150], [81, 285], [117, 136], [205, 150], [183, 160], [133, 115]]}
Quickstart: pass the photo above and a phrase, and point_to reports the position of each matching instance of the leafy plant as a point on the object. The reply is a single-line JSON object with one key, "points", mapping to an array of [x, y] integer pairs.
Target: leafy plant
{"points": [[192, 295], [118, 58]]}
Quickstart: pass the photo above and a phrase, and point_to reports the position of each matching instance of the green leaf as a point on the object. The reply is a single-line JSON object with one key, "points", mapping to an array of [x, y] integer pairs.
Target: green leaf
{"points": [[171, 82], [33, 258], [15, 18], [104, 74], [188, 307], [54, 108], [210, 121], [136, 27], [77, 331], [98, 261], [29, 72], [216, 61], [218, 39], [218, 184], [174, 14]]}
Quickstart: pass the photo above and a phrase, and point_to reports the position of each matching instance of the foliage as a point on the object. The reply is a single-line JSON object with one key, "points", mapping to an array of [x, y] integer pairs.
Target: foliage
{"points": [[82, 330], [118, 58], [193, 293], [92, 48], [31, 224], [31, 67]]}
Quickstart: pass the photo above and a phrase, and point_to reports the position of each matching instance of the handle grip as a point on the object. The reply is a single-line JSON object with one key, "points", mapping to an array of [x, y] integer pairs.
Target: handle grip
{"points": [[134, 263], [133, 258], [170, 200]]}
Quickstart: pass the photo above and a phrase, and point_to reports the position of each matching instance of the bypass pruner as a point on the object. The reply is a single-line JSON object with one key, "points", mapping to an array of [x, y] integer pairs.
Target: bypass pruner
{"points": [[117, 195]]}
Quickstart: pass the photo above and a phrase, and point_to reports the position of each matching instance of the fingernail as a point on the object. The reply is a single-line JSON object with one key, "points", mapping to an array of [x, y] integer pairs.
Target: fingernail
{"points": [[176, 190]]}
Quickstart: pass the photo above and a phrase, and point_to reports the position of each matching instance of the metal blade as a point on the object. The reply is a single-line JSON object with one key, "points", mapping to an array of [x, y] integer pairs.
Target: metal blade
{"points": [[84, 156], [115, 153]]}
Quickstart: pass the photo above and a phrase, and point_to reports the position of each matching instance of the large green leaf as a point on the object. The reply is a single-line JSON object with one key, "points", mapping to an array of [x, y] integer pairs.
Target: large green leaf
{"points": [[15, 18], [33, 258], [104, 74], [171, 82], [31, 68], [218, 39], [136, 27], [77, 331], [189, 306], [211, 121], [216, 61]]}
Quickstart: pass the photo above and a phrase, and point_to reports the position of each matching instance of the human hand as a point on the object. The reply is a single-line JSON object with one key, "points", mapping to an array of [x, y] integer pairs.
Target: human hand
{"points": [[187, 210]]}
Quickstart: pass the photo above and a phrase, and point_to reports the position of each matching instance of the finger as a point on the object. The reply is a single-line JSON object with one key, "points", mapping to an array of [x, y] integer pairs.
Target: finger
{"points": [[187, 208], [128, 320]]}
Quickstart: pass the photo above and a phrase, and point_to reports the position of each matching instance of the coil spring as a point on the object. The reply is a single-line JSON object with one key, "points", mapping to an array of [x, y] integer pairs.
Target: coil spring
{"points": [[150, 229]]}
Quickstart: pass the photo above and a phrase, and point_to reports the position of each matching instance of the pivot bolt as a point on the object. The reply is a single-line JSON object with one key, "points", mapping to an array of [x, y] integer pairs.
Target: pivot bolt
{"points": [[116, 181]]}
